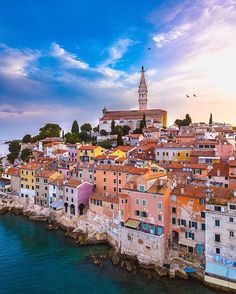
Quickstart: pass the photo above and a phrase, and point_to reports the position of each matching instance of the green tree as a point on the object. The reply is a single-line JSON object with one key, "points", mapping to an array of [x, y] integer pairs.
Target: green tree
{"points": [[184, 122], [96, 129], [126, 130], [136, 131], [210, 120], [103, 133], [86, 128], [11, 157], [49, 130], [144, 120], [35, 139], [75, 127], [119, 139], [71, 138], [84, 137], [178, 122], [113, 125], [14, 146], [26, 138], [107, 144], [25, 154]]}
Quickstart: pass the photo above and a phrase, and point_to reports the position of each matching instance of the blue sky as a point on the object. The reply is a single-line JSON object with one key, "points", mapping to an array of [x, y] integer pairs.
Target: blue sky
{"points": [[65, 60]]}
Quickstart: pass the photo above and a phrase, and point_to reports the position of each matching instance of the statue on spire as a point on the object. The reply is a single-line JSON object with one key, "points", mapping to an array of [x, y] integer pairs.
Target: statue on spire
{"points": [[142, 91]]}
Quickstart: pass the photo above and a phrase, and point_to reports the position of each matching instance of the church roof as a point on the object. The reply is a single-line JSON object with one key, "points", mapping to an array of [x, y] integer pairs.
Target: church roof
{"points": [[133, 114]]}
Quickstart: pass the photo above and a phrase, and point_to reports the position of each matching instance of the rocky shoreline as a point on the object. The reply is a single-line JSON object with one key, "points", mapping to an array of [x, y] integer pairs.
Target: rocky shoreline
{"points": [[83, 237]]}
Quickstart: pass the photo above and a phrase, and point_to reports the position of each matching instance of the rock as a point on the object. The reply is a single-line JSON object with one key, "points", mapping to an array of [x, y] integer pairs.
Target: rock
{"points": [[181, 274], [172, 273], [50, 227], [115, 258], [128, 266]]}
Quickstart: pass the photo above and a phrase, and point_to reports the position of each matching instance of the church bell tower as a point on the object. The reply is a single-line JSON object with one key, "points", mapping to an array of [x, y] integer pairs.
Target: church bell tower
{"points": [[142, 91]]}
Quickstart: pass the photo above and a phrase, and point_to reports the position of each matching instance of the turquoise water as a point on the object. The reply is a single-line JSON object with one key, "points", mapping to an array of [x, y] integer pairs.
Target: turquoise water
{"points": [[33, 260]]}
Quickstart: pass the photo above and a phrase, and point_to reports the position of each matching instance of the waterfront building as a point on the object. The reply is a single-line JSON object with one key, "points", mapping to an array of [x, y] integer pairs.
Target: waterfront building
{"points": [[221, 239], [132, 118], [56, 193], [84, 172], [42, 180], [110, 179], [14, 176], [66, 168], [28, 179], [76, 196]]}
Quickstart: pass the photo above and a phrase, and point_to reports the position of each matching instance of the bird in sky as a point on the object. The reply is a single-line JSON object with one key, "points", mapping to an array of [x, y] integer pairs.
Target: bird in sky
{"points": [[194, 95], [188, 96]]}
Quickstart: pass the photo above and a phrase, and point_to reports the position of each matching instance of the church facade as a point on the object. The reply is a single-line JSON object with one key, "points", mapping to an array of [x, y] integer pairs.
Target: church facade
{"points": [[154, 117]]}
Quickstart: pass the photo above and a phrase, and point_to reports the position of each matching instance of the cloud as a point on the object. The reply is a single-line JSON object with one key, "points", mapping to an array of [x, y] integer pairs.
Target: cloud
{"points": [[16, 62], [68, 59]]}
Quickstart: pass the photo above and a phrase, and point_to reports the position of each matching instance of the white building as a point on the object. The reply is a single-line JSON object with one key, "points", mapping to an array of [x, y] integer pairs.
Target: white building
{"points": [[221, 240]]}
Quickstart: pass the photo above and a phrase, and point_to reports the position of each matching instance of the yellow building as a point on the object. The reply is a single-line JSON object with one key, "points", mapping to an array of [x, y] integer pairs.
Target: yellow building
{"points": [[87, 153], [173, 152], [28, 179], [122, 151]]}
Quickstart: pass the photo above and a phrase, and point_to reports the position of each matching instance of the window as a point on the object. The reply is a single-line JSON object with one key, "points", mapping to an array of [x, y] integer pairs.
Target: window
{"points": [[114, 181], [112, 206], [137, 212], [173, 221], [126, 201], [231, 234], [203, 227], [119, 190], [144, 202], [232, 206], [159, 217], [144, 214], [104, 180], [217, 238], [217, 250], [202, 201], [217, 222], [104, 188], [137, 201], [183, 222], [189, 235], [231, 219], [173, 209], [159, 205], [203, 214], [114, 189], [119, 181], [192, 224], [217, 208], [72, 200], [141, 188], [72, 191]]}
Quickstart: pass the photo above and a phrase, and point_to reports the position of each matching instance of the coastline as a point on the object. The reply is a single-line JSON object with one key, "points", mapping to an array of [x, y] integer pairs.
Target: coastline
{"points": [[82, 235]]}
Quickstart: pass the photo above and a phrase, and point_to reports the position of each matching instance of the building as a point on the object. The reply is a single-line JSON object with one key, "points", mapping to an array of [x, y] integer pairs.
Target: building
{"points": [[87, 153], [221, 239], [14, 175], [28, 179], [76, 196], [56, 193], [132, 118]]}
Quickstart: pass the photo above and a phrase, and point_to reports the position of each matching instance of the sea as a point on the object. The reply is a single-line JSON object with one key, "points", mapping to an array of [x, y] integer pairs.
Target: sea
{"points": [[35, 260]]}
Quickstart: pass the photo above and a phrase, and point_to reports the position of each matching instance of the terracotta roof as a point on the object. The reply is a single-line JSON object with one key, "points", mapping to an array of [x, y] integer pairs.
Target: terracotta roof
{"points": [[123, 168], [220, 169], [135, 136], [124, 196], [102, 157], [88, 147], [57, 182], [31, 166], [73, 183], [13, 171], [176, 165], [204, 153], [45, 173], [109, 198], [187, 145], [59, 151], [232, 163], [133, 114]]}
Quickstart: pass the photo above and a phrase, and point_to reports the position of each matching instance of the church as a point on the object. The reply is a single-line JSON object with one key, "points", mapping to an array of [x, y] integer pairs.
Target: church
{"points": [[154, 117]]}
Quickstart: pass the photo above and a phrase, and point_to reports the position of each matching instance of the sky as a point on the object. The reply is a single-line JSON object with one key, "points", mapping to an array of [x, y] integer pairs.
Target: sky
{"points": [[63, 60]]}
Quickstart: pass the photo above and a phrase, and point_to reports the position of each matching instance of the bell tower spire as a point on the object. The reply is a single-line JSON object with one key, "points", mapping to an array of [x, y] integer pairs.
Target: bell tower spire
{"points": [[142, 91]]}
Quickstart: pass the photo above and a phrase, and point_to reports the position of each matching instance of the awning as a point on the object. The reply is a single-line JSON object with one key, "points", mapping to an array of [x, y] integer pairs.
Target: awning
{"points": [[132, 223], [187, 242]]}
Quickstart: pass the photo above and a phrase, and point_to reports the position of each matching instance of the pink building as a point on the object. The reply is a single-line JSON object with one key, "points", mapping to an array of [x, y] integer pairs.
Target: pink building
{"points": [[145, 204], [66, 168], [72, 152], [76, 196]]}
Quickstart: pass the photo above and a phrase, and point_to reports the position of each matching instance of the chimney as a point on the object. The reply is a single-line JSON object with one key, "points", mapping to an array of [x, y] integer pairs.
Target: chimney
{"points": [[182, 190]]}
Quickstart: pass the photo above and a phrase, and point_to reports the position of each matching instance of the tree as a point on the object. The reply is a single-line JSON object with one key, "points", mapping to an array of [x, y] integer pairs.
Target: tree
{"points": [[84, 137], [178, 122], [184, 122], [126, 130], [141, 126], [75, 127], [49, 130], [103, 133], [107, 144], [71, 138], [86, 128], [63, 134], [11, 157], [119, 139], [136, 131], [188, 119], [14, 146], [210, 120], [25, 154], [113, 125], [96, 129], [26, 138], [144, 120]]}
